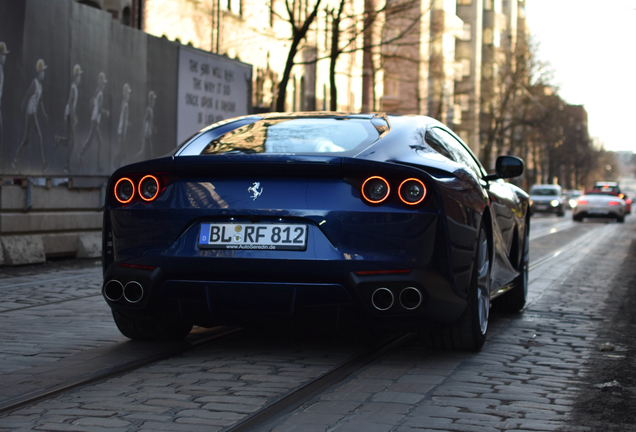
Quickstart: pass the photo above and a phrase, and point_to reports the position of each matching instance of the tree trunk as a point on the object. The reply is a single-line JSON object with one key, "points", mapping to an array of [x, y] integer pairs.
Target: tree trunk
{"points": [[333, 57], [298, 35], [282, 86], [368, 75]]}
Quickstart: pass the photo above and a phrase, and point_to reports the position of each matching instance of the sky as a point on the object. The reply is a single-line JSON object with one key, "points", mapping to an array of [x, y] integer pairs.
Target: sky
{"points": [[590, 46]]}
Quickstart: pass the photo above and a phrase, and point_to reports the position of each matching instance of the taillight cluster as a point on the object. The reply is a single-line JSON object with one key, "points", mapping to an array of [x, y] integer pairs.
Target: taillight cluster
{"points": [[376, 190], [147, 188]]}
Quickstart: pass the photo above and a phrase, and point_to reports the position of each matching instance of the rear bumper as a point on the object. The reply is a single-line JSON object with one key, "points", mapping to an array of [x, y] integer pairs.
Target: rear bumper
{"points": [[597, 214], [548, 209], [212, 302]]}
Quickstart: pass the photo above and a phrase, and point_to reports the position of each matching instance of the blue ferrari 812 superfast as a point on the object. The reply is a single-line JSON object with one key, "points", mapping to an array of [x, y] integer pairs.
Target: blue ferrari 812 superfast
{"points": [[391, 219]]}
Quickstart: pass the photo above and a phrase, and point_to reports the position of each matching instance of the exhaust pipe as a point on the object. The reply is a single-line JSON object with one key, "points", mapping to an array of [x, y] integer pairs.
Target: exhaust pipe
{"points": [[113, 290], [410, 298], [133, 292], [382, 299]]}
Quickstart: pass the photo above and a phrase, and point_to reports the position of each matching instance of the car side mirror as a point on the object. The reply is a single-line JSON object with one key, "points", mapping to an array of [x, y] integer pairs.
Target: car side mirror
{"points": [[506, 167]]}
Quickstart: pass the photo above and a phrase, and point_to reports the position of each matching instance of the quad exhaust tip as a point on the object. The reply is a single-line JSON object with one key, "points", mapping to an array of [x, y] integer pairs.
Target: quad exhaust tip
{"points": [[133, 292], [410, 298], [382, 299], [113, 290]]}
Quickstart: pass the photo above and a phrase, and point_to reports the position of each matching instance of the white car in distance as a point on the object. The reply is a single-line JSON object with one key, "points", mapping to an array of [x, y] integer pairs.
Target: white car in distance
{"points": [[599, 204]]}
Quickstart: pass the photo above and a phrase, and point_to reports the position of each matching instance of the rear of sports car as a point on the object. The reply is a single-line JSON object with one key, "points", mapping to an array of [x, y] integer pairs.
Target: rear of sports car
{"points": [[232, 237], [599, 205]]}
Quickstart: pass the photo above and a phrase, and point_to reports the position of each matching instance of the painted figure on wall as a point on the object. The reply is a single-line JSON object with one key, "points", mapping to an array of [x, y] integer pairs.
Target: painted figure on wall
{"points": [[3, 57], [70, 117], [96, 117], [149, 127], [33, 101], [122, 128]]}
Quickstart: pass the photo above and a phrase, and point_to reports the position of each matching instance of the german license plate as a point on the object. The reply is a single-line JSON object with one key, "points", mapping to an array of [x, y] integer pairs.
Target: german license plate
{"points": [[253, 236], [597, 211], [542, 207]]}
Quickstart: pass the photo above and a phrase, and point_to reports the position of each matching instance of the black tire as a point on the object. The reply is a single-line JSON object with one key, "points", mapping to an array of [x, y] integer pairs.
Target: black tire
{"points": [[158, 329], [469, 332], [515, 299], [576, 218], [620, 219]]}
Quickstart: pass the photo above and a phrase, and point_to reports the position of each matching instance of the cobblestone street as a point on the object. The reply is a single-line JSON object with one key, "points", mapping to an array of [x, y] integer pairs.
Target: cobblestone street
{"points": [[528, 376]]}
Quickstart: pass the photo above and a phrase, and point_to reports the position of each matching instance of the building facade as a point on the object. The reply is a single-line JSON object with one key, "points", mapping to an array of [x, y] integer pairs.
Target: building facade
{"points": [[261, 33], [121, 10], [441, 58]]}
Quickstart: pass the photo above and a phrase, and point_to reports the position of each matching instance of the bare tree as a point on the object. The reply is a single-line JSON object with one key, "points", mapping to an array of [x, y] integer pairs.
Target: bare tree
{"points": [[300, 24], [348, 26], [506, 101]]}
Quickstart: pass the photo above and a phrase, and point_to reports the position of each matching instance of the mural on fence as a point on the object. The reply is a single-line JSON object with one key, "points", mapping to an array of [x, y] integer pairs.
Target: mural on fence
{"points": [[83, 95]]}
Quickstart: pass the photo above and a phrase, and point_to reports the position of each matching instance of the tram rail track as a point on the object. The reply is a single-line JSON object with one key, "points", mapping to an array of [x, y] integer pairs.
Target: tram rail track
{"points": [[278, 407], [567, 247], [180, 348]]}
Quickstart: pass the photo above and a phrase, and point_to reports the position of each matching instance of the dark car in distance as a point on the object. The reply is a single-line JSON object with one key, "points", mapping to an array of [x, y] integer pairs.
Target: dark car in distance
{"points": [[547, 198], [390, 219]]}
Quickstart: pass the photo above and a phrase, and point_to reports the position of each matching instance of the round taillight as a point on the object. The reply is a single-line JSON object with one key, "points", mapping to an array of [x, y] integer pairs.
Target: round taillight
{"points": [[412, 191], [375, 189], [149, 188], [124, 190]]}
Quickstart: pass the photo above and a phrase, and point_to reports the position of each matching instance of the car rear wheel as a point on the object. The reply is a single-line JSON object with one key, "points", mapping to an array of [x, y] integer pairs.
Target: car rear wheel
{"points": [[469, 332], [620, 219], [157, 329], [515, 299], [577, 218]]}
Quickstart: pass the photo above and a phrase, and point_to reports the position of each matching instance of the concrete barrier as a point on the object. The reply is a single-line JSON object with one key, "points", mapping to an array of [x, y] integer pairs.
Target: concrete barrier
{"points": [[48, 222]]}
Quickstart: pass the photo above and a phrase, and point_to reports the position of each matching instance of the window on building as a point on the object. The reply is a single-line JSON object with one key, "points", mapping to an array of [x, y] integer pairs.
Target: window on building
{"points": [[302, 102], [489, 5], [466, 63], [488, 36], [328, 18], [486, 71], [125, 16], [463, 100], [496, 39], [295, 96], [467, 31], [235, 6], [391, 87], [464, 2], [324, 97]]}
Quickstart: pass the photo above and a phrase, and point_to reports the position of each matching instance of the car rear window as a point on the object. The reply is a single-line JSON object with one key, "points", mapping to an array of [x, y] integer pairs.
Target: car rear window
{"points": [[544, 191], [607, 186], [297, 135]]}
